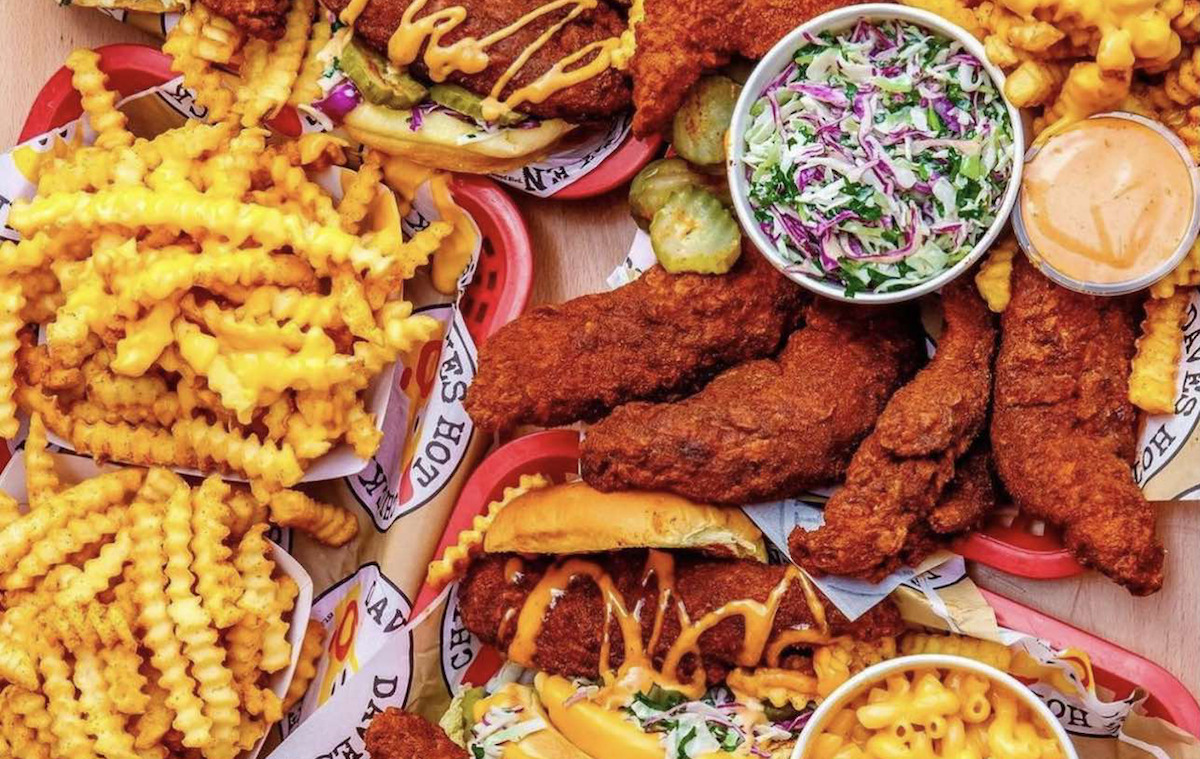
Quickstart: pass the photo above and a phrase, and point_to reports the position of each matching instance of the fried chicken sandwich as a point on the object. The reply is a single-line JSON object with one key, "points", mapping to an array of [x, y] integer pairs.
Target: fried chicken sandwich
{"points": [[639, 625], [479, 86]]}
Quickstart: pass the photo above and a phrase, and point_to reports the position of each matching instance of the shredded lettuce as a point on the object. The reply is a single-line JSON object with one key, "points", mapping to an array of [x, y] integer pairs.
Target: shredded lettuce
{"points": [[879, 157], [715, 722], [500, 726]]}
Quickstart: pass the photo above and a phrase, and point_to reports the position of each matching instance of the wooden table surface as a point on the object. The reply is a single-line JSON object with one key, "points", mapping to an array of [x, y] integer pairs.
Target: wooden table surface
{"points": [[577, 245]]}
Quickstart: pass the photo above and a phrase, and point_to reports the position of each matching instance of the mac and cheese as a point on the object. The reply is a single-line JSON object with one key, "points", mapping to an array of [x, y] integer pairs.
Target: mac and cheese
{"points": [[935, 714]]}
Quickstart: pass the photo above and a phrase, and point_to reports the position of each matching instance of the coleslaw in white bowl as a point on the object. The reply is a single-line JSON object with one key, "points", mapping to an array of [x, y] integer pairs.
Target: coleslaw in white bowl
{"points": [[872, 154]]}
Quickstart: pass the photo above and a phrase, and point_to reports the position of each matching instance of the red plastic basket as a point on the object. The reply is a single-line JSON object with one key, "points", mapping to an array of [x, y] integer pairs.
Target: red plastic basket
{"points": [[615, 170], [503, 278], [555, 453]]}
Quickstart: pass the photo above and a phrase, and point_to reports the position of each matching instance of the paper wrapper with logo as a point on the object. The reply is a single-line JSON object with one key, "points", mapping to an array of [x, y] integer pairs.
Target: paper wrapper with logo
{"points": [[569, 162], [362, 594]]}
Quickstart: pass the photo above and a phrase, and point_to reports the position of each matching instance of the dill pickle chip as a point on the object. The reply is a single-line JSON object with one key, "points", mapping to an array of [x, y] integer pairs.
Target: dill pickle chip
{"points": [[468, 103], [698, 132], [694, 232], [378, 80], [655, 183]]}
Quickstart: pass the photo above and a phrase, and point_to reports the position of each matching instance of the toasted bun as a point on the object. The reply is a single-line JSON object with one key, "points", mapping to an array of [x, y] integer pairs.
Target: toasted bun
{"points": [[576, 518], [444, 142]]}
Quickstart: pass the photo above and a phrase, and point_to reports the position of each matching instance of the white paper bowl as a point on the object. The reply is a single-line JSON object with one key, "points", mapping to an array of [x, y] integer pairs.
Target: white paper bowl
{"points": [[776, 60], [876, 674], [75, 469]]}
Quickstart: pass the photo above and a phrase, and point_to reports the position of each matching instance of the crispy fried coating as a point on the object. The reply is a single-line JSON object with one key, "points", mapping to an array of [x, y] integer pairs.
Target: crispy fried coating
{"points": [[679, 39], [570, 639], [969, 497], [661, 336], [258, 18], [394, 734], [766, 429], [1064, 433], [598, 97], [899, 473]]}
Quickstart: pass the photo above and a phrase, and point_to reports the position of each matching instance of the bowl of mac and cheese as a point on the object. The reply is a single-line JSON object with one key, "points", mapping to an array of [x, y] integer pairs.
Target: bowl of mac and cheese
{"points": [[933, 706]]}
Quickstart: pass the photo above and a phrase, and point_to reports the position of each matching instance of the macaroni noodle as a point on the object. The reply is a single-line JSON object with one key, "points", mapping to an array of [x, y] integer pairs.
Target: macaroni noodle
{"points": [[932, 714]]}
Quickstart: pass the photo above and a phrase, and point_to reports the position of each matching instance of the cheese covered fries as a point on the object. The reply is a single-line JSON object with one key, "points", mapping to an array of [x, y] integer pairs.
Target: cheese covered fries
{"points": [[205, 303]]}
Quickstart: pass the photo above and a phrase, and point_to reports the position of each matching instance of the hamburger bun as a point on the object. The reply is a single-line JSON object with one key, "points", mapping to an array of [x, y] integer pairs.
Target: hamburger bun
{"points": [[445, 142], [577, 518]]}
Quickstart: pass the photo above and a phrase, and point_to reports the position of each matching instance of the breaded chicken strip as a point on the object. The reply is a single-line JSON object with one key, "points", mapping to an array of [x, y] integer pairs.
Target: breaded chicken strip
{"points": [[572, 633], [258, 18], [396, 734], [658, 337], [679, 39], [969, 497], [598, 97], [901, 470], [1064, 433], [767, 429]]}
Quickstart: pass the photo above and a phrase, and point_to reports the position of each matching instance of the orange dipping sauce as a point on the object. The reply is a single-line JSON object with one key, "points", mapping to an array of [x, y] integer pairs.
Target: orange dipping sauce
{"points": [[1107, 201]]}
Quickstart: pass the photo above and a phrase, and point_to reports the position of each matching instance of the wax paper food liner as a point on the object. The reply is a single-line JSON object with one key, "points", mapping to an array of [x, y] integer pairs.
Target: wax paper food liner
{"points": [[364, 591], [541, 178]]}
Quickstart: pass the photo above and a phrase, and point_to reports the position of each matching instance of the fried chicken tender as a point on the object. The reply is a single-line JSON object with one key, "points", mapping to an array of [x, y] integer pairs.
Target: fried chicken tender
{"points": [[767, 429], [394, 734], [259, 18], [599, 97], [572, 633], [661, 336], [679, 39], [901, 470], [1064, 433], [969, 497]]}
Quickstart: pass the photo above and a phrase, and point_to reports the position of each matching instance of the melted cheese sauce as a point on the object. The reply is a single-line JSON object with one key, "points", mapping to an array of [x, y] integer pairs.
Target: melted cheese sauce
{"points": [[1107, 201], [637, 670], [469, 55]]}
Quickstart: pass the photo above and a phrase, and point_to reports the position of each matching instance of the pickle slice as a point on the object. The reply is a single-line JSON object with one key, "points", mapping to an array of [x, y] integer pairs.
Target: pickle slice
{"points": [[658, 180], [466, 102], [698, 131], [380, 82], [694, 232]]}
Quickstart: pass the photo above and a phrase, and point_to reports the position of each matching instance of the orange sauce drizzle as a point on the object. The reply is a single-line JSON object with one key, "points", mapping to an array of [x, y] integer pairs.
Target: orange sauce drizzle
{"points": [[758, 620], [513, 569], [352, 11], [469, 54]]}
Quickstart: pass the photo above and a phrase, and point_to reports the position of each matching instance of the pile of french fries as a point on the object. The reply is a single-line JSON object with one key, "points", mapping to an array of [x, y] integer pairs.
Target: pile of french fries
{"points": [[141, 616], [205, 303], [192, 300]]}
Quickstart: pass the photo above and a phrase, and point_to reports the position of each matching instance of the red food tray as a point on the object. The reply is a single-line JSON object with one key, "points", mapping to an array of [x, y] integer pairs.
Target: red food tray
{"points": [[504, 276], [555, 453], [614, 171]]}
